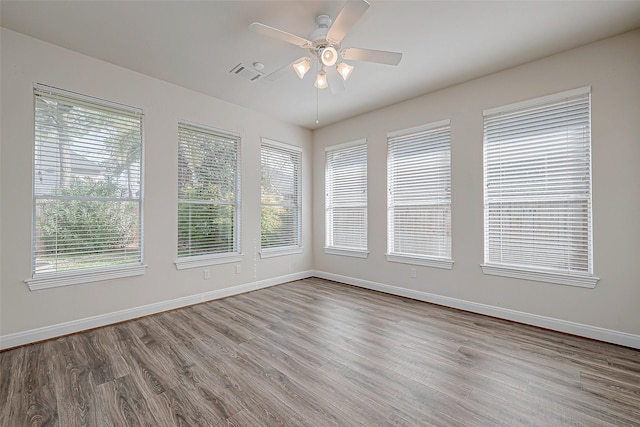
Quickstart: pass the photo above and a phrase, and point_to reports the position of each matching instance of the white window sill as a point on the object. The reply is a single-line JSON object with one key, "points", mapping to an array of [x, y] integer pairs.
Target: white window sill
{"points": [[427, 262], [206, 260], [274, 252], [346, 252], [581, 280], [64, 278]]}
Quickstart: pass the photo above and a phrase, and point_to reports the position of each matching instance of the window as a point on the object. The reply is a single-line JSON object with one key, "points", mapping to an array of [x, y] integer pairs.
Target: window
{"points": [[208, 196], [280, 198], [346, 199], [87, 189], [419, 200], [537, 190]]}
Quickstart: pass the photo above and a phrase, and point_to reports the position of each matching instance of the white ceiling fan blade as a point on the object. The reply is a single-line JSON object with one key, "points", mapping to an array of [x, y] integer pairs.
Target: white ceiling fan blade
{"points": [[371, 55], [266, 30], [335, 80], [348, 16], [281, 71]]}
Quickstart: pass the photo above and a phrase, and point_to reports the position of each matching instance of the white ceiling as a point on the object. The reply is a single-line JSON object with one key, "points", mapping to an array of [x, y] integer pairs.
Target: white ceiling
{"points": [[195, 44]]}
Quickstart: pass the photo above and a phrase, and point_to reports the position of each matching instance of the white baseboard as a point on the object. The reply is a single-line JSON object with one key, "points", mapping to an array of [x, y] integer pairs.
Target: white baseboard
{"points": [[53, 331], [587, 331]]}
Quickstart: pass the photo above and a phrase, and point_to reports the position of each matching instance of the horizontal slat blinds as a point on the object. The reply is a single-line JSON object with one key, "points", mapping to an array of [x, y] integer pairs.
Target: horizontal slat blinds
{"points": [[419, 200], [87, 183], [346, 197], [280, 195], [208, 191], [537, 176]]}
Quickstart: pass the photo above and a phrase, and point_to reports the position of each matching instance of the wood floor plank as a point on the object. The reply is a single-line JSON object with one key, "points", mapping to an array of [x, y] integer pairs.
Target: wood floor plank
{"points": [[122, 403], [10, 382], [35, 368], [318, 353], [219, 392], [614, 391], [213, 317], [97, 357], [285, 371], [316, 387], [528, 411], [177, 410], [145, 367], [73, 381], [590, 404], [36, 408], [429, 406]]}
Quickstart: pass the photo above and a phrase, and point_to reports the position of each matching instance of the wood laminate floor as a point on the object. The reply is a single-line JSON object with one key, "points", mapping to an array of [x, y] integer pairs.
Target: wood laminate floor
{"points": [[319, 353]]}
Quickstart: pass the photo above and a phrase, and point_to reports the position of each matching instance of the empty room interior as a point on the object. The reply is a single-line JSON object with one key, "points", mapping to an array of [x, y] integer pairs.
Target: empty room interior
{"points": [[314, 213]]}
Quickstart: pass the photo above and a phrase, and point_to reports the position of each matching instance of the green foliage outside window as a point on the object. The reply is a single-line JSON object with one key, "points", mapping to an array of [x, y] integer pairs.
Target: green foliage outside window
{"points": [[204, 228], [272, 219], [74, 224]]}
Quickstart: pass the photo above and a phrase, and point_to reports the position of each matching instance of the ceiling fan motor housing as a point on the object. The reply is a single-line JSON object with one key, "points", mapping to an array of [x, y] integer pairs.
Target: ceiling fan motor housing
{"points": [[326, 52], [318, 37]]}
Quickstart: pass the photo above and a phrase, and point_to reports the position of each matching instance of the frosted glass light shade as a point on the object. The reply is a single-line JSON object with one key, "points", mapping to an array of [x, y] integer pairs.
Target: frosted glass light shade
{"points": [[321, 80], [344, 69], [302, 66]]}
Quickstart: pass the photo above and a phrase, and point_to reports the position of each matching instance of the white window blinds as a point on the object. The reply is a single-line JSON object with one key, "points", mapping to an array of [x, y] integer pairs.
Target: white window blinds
{"points": [[87, 183], [537, 177], [419, 199], [280, 195], [208, 191], [346, 196]]}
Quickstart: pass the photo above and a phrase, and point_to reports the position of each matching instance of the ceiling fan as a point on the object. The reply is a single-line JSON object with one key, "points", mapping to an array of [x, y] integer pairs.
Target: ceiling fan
{"points": [[323, 45]]}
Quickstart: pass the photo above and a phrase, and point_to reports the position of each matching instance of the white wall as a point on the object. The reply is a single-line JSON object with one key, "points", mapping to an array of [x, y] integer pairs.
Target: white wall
{"points": [[612, 68], [25, 61]]}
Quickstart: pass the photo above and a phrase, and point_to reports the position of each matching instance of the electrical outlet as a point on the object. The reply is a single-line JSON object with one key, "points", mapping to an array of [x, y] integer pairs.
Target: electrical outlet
{"points": [[414, 273], [238, 269], [206, 274]]}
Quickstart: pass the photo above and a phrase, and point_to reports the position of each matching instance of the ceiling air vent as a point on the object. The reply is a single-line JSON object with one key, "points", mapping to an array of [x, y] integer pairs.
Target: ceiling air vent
{"points": [[246, 72]]}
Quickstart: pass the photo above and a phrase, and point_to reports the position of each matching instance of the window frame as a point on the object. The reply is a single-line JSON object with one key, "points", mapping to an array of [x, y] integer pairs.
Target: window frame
{"points": [[530, 272], [330, 248], [296, 248], [54, 279], [394, 141], [208, 259]]}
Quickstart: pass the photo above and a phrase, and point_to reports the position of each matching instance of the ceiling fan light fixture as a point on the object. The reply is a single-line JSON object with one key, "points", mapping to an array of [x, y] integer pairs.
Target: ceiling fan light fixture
{"points": [[329, 56], [344, 70], [321, 80], [302, 66], [324, 48]]}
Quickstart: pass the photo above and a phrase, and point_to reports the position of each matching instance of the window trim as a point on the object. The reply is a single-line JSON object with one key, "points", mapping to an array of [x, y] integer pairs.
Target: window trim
{"points": [[585, 280], [444, 263], [195, 261], [77, 277], [280, 251], [47, 280], [54, 91], [521, 105], [420, 128], [539, 275], [275, 251], [415, 259], [334, 250], [341, 250]]}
